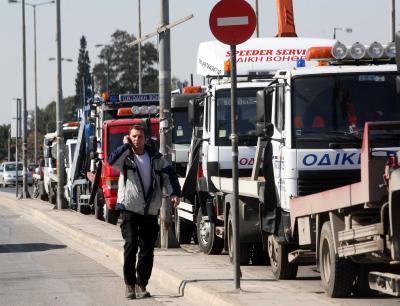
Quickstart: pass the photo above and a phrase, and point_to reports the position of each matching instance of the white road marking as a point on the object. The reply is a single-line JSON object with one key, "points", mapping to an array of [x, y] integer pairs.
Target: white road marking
{"points": [[232, 21]]}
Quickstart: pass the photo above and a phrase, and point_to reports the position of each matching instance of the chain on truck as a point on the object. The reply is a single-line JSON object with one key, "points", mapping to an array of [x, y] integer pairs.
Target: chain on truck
{"points": [[311, 120]]}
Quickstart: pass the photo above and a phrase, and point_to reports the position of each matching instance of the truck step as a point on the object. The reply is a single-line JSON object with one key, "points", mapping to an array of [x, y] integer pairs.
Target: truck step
{"points": [[388, 283], [302, 257], [361, 232], [361, 248]]}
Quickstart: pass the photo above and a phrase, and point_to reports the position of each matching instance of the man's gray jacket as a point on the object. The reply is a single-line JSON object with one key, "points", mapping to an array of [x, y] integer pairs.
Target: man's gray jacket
{"points": [[130, 186]]}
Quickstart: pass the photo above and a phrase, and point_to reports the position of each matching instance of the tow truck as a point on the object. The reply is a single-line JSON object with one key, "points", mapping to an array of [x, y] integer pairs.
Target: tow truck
{"points": [[46, 178], [321, 200], [202, 213], [93, 183]]}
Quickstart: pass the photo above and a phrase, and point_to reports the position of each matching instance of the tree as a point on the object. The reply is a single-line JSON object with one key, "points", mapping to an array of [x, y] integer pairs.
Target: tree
{"points": [[121, 63], [4, 135], [83, 75]]}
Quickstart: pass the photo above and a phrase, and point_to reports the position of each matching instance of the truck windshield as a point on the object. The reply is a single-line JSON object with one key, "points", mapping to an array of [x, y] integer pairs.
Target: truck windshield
{"points": [[114, 141], [246, 116], [330, 111], [182, 130]]}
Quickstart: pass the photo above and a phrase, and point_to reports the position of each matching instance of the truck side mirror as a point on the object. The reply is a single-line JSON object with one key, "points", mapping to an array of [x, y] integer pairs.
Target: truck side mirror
{"points": [[92, 144], [397, 42], [264, 128], [47, 152], [191, 111]]}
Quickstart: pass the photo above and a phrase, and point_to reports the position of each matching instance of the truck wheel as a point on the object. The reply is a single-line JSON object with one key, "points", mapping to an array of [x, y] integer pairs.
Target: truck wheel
{"points": [[111, 215], [52, 195], [337, 274], [245, 248], [42, 191], [209, 243], [259, 256], [99, 205], [278, 254], [183, 229]]}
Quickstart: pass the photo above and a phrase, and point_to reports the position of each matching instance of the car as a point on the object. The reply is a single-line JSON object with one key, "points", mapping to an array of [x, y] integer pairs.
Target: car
{"points": [[8, 175]]}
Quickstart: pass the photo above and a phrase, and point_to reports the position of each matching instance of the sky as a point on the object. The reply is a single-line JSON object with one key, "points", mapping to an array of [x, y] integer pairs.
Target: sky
{"points": [[370, 20]]}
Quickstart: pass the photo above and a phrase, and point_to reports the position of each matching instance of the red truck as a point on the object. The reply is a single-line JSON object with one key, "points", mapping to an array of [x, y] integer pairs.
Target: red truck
{"points": [[113, 132], [93, 183]]}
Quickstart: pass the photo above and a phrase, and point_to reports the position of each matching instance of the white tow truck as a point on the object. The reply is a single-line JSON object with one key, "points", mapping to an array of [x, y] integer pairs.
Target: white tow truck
{"points": [[321, 200], [203, 210], [47, 179]]}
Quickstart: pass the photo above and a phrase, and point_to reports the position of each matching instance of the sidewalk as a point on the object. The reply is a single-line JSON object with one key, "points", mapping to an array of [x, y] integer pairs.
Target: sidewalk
{"points": [[198, 277]]}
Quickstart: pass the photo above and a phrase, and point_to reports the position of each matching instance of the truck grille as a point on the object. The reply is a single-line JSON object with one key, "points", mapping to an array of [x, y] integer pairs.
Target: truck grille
{"points": [[316, 181]]}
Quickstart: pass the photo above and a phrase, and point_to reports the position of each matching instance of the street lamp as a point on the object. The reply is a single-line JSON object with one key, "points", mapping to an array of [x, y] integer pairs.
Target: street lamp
{"points": [[62, 59], [59, 115], [107, 52], [35, 63], [347, 30], [140, 48], [25, 192]]}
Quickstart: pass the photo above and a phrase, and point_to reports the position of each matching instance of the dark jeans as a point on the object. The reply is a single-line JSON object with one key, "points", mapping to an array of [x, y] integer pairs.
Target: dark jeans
{"points": [[139, 232]]}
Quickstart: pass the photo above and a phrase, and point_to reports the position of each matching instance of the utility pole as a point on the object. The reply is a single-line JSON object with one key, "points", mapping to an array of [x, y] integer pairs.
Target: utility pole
{"points": [[17, 130], [9, 144], [140, 48], [60, 116], [393, 19], [25, 192], [168, 240], [257, 24]]}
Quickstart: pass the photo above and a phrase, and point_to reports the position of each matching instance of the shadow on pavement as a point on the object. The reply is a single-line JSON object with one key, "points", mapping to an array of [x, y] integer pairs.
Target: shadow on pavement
{"points": [[29, 247]]}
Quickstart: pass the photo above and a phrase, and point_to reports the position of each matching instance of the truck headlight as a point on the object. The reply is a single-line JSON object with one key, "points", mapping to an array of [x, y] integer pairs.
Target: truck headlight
{"points": [[390, 50], [375, 50], [339, 51], [357, 51]]}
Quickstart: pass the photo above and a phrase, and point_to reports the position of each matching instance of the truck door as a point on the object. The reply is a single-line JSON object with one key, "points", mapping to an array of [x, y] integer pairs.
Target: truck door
{"points": [[278, 139], [206, 145]]}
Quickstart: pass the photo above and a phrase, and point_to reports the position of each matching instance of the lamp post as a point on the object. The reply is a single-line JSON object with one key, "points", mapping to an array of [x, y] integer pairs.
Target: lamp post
{"points": [[139, 49], [62, 59], [59, 115], [107, 52], [35, 63], [393, 19], [17, 131], [25, 192], [347, 30]]}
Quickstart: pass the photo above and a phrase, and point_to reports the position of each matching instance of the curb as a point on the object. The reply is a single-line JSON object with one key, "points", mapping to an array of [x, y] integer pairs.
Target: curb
{"points": [[189, 289]]}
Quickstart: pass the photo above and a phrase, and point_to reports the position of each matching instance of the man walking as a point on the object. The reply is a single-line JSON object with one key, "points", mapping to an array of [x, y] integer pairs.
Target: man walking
{"points": [[143, 174]]}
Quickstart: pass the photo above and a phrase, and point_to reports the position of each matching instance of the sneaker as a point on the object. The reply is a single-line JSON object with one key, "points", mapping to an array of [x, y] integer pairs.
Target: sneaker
{"points": [[141, 292], [130, 292]]}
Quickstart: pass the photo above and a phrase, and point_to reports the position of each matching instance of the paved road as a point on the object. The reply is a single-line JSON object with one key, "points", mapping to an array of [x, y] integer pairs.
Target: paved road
{"points": [[12, 190], [258, 282], [37, 269]]}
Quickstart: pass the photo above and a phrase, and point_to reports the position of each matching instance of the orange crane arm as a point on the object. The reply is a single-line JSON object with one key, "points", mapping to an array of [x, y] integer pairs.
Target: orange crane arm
{"points": [[286, 26]]}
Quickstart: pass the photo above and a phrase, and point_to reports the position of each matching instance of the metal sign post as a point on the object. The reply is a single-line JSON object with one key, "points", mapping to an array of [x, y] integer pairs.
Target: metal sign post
{"points": [[233, 22]]}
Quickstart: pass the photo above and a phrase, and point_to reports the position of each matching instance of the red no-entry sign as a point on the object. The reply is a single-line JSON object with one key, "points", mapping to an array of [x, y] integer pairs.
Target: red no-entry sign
{"points": [[232, 21]]}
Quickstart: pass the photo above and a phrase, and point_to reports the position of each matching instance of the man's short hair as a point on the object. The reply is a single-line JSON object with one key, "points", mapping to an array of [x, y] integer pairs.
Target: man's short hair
{"points": [[137, 127]]}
